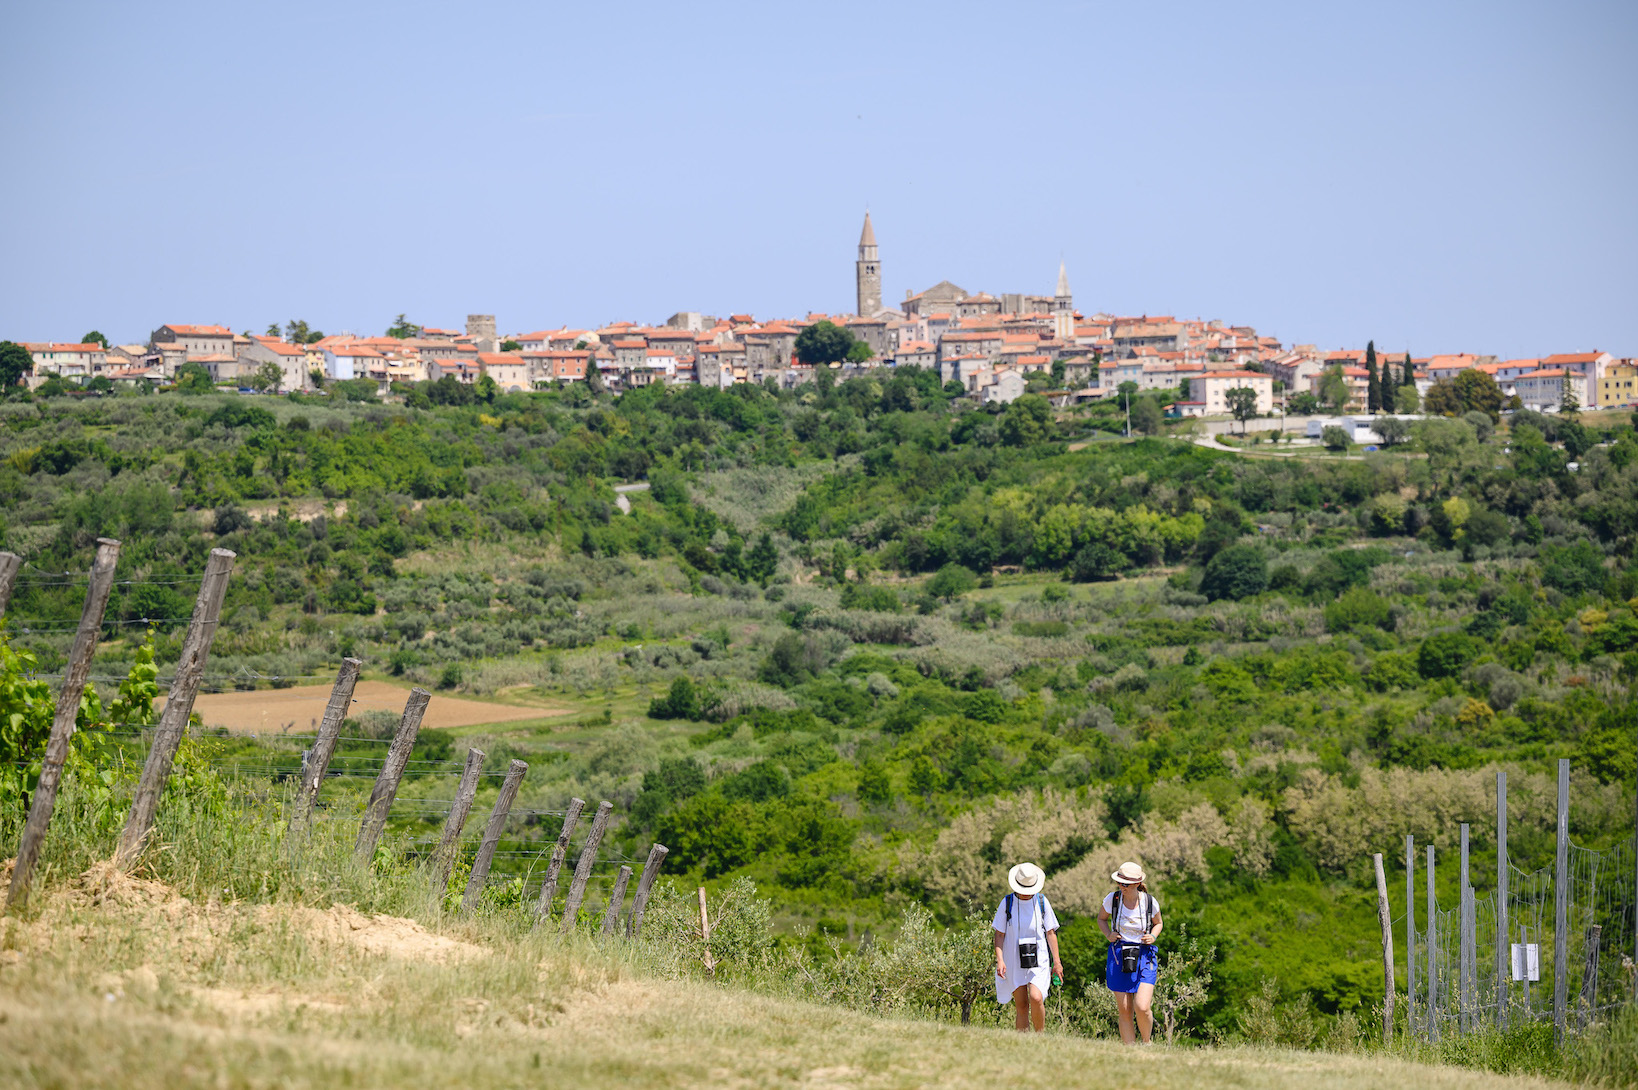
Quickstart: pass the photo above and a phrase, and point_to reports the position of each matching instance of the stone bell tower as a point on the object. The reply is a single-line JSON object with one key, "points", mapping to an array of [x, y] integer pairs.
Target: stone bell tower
{"points": [[1063, 307], [869, 273]]}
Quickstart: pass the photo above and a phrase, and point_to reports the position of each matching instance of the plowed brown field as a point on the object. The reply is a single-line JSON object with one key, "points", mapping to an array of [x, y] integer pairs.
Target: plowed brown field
{"points": [[298, 710]]}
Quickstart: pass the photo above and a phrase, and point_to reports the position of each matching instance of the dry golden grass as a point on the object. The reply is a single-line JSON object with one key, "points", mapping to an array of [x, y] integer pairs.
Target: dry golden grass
{"points": [[118, 982], [299, 709]]}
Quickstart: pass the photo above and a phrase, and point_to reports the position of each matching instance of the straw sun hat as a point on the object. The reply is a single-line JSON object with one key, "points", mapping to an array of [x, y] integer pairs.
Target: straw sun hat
{"points": [[1026, 879], [1128, 874]]}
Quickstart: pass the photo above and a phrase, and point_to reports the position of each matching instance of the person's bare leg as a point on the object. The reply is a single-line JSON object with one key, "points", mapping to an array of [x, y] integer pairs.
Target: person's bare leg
{"points": [[1037, 1008], [1144, 1003], [1020, 1006], [1123, 1005]]}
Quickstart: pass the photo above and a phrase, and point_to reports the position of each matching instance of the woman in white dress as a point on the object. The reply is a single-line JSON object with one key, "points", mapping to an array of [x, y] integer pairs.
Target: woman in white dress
{"points": [[1026, 932]]}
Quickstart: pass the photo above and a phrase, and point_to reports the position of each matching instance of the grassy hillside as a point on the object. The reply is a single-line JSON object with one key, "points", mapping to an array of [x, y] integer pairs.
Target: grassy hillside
{"points": [[866, 646]]}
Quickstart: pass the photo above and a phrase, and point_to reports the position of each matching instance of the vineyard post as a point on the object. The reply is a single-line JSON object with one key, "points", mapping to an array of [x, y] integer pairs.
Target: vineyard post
{"points": [[10, 563], [1561, 905], [1503, 961], [582, 869], [1589, 972], [324, 746], [705, 936], [492, 833], [1432, 1001], [1464, 956], [443, 860], [645, 884], [173, 721], [560, 851], [62, 724], [1385, 915], [617, 901], [1410, 935], [392, 770]]}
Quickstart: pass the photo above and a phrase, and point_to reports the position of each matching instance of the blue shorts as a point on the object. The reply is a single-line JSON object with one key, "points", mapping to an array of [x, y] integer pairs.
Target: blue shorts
{"points": [[1119, 981]]}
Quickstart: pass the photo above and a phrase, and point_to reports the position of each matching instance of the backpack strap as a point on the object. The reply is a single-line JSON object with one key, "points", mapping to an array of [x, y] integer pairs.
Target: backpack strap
{"points": [[1009, 908]]}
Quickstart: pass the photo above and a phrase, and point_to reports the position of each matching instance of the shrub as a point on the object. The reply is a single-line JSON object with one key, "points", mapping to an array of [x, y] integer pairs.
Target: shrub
{"points": [[1096, 562], [1444, 654], [681, 702], [1236, 572], [1334, 438], [951, 582], [1359, 607]]}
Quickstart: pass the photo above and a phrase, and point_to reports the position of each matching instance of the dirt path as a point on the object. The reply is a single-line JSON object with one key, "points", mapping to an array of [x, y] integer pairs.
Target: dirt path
{"points": [[620, 491], [298, 710]]}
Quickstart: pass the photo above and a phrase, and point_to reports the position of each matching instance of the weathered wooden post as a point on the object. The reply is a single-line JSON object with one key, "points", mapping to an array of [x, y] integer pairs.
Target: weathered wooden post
{"points": [[645, 885], [173, 721], [1385, 915], [492, 833], [582, 869], [617, 901], [62, 724], [1433, 955], [443, 860], [1561, 905], [560, 851], [1410, 935], [324, 746], [392, 770], [705, 936], [10, 564], [1503, 960]]}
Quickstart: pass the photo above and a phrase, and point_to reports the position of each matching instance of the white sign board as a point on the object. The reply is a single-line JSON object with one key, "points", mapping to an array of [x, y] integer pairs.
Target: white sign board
{"points": [[1526, 961]]}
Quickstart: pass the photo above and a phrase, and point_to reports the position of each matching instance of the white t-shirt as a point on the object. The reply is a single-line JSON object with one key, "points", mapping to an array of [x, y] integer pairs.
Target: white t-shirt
{"points": [[1128, 922], [1031, 919]]}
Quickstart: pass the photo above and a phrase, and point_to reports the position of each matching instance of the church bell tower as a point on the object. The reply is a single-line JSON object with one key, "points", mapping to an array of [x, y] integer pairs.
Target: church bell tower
{"points": [[869, 273], [1063, 307]]}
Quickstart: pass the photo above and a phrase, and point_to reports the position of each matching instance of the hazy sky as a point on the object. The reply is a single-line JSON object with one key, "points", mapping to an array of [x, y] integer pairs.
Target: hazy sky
{"points": [[1438, 176]]}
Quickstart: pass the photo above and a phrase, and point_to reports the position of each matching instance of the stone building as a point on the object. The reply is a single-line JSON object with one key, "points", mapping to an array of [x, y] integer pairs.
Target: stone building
{"points": [[194, 341], [481, 328], [868, 273]]}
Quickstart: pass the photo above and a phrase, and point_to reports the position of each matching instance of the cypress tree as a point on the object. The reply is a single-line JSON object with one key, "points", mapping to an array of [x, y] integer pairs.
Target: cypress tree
{"points": [[1373, 382], [1410, 372], [1387, 387]]}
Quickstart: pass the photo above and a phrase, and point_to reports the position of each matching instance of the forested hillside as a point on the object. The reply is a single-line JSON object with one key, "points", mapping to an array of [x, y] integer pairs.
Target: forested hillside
{"points": [[869, 645]]}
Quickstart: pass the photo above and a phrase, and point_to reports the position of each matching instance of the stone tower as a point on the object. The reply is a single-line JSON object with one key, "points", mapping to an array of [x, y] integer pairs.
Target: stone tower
{"points": [[1063, 307], [481, 328], [869, 271]]}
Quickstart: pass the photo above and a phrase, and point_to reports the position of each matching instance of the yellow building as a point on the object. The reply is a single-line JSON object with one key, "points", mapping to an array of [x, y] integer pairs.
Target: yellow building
{"points": [[1618, 384]]}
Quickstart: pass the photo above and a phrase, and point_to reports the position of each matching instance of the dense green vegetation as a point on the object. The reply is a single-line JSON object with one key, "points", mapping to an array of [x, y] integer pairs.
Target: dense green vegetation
{"points": [[869, 646]]}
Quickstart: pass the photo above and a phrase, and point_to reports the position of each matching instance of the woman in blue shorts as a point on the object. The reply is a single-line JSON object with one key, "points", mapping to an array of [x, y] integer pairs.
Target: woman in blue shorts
{"points": [[1130, 920]]}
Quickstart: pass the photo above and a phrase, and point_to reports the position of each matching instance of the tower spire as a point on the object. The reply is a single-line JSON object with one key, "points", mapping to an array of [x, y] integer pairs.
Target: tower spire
{"points": [[868, 273], [1063, 276]]}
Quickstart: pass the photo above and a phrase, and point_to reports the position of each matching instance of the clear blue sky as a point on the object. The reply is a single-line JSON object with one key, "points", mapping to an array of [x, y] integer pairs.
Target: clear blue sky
{"points": [[1441, 177]]}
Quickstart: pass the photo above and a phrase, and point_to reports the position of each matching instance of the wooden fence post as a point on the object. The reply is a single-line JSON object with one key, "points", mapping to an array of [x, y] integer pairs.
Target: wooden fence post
{"points": [[1386, 916], [492, 834], [1561, 906], [443, 860], [548, 888], [617, 901], [582, 869], [173, 721], [62, 724], [10, 564], [324, 746], [392, 770], [705, 936], [645, 884]]}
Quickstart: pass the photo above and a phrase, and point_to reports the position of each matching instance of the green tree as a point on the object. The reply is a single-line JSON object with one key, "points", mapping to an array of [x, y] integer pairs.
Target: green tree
{"points": [[1334, 390], [1147, 416], [1387, 389], [192, 378], [860, 352], [94, 337], [1392, 430], [1373, 382], [823, 343], [1407, 377], [1242, 403], [1407, 400], [1236, 572], [1568, 404], [15, 362], [511, 346], [1026, 422], [1478, 392], [1444, 654], [951, 582], [1303, 404], [404, 329], [267, 377], [272, 330], [297, 331], [1334, 438], [100, 384], [763, 559]]}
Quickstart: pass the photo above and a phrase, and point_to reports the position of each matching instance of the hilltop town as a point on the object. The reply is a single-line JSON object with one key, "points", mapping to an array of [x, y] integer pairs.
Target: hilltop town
{"points": [[995, 346]]}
